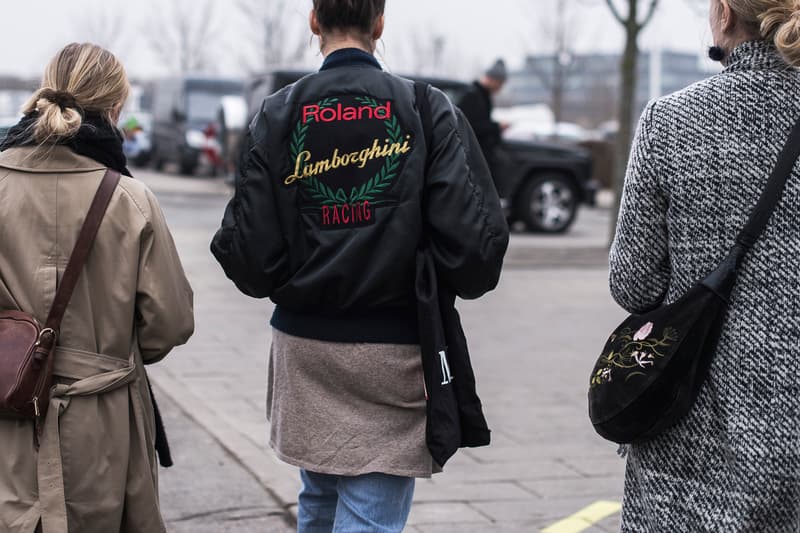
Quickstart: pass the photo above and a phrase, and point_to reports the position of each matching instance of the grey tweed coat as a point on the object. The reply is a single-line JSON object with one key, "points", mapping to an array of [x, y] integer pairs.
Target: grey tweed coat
{"points": [[700, 159]]}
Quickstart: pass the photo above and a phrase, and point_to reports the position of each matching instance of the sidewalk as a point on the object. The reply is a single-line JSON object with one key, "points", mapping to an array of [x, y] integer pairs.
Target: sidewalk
{"points": [[533, 341], [208, 491]]}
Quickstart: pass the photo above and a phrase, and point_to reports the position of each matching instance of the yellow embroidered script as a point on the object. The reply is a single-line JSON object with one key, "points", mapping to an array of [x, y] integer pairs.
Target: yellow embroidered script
{"points": [[304, 168]]}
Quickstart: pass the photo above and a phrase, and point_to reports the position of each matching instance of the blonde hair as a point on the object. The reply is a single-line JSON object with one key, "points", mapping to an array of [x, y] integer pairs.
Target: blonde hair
{"points": [[777, 21], [81, 78]]}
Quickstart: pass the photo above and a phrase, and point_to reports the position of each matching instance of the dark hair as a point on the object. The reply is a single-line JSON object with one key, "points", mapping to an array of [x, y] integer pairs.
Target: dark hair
{"points": [[348, 14]]}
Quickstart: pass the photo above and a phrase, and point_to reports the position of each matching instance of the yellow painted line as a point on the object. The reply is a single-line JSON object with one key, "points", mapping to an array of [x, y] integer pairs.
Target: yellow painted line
{"points": [[585, 518]]}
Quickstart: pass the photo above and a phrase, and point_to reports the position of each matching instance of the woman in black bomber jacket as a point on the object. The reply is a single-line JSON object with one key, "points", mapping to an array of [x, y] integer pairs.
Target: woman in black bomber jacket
{"points": [[327, 219]]}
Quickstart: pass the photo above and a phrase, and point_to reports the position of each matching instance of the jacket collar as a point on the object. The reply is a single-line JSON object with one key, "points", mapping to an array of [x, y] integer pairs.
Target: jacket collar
{"points": [[350, 57], [47, 160], [755, 55]]}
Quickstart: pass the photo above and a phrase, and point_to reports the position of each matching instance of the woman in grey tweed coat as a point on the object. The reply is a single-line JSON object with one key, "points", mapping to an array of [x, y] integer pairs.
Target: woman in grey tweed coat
{"points": [[700, 160]]}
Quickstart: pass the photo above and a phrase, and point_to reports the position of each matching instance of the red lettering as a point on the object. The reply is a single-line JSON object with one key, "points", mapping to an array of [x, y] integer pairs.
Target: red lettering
{"points": [[346, 214], [313, 113], [310, 111], [361, 111], [328, 114], [386, 109]]}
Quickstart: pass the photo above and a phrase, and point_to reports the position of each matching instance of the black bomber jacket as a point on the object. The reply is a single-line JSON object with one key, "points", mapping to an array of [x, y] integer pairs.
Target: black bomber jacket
{"points": [[336, 193]]}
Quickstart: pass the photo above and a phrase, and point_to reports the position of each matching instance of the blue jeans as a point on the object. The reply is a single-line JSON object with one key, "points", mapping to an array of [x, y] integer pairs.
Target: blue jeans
{"points": [[372, 503]]}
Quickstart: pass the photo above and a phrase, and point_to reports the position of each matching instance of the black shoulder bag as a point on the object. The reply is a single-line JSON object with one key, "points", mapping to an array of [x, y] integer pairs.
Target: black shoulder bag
{"points": [[453, 409], [653, 365]]}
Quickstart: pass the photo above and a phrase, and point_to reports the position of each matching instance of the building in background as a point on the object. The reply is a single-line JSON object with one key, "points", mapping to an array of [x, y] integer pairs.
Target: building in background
{"points": [[589, 83]]}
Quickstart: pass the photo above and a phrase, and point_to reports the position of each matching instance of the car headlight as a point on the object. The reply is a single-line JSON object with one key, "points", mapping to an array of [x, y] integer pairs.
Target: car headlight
{"points": [[195, 139]]}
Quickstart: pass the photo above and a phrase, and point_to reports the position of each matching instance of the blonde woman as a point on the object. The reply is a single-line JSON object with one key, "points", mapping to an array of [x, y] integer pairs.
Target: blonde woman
{"points": [[94, 469], [700, 161]]}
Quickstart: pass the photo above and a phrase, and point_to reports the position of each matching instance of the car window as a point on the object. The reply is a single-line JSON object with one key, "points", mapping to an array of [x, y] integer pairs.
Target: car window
{"points": [[202, 106]]}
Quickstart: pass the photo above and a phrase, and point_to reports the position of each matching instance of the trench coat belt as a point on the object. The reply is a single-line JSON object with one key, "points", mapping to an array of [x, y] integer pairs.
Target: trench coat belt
{"points": [[94, 374]]}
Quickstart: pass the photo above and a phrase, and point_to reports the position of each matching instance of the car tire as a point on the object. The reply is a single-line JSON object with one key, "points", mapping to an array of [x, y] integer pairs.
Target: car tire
{"points": [[548, 203]]}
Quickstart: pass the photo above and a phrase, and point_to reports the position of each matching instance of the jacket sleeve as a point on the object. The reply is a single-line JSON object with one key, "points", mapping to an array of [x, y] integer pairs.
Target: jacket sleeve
{"points": [[250, 245], [164, 299], [639, 258], [468, 230]]}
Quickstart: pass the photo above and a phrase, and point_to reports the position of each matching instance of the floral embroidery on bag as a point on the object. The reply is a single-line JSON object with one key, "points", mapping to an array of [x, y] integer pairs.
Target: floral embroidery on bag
{"points": [[632, 353]]}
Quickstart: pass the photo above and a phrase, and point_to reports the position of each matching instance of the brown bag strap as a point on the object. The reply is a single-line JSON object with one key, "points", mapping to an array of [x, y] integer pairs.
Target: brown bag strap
{"points": [[81, 251]]}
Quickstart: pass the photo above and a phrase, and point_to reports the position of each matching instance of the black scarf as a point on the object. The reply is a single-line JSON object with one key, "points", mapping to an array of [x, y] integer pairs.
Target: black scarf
{"points": [[96, 139]]}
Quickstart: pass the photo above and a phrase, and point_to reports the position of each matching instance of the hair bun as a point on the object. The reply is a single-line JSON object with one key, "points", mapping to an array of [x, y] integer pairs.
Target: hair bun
{"points": [[62, 99], [59, 116], [81, 78], [787, 38], [781, 25]]}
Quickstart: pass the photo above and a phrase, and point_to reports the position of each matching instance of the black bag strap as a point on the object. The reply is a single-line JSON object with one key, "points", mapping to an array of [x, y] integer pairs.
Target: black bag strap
{"points": [[769, 199]]}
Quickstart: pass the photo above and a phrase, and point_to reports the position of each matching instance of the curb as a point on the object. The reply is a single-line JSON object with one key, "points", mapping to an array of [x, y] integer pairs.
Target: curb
{"points": [[279, 480]]}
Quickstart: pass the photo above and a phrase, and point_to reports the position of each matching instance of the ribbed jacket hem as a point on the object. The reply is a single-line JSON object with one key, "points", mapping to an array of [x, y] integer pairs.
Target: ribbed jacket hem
{"points": [[375, 327]]}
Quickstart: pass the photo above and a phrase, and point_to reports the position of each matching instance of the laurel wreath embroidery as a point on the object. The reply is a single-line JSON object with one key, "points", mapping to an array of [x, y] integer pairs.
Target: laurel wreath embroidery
{"points": [[633, 353], [375, 185]]}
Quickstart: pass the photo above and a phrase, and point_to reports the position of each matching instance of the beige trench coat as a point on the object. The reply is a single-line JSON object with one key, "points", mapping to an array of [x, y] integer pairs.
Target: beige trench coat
{"points": [[96, 469]]}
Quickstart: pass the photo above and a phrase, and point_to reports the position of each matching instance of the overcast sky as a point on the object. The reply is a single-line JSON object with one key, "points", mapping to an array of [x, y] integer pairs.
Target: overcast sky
{"points": [[474, 31]]}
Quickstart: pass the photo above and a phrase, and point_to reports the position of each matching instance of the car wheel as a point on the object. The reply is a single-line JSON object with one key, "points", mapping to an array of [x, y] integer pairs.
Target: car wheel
{"points": [[548, 203]]}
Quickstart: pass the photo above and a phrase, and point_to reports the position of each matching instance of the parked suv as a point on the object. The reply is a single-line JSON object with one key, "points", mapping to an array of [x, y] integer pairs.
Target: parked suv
{"points": [[541, 185], [185, 114]]}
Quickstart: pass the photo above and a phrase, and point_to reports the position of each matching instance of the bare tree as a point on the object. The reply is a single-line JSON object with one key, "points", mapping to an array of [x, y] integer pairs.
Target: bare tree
{"points": [[104, 26], [427, 53], [281, 34], [183, 35], [556, 35], [633, 25]]}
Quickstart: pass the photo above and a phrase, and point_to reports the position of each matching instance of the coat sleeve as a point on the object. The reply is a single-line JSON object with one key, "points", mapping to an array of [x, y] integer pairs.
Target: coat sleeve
{"points": [[639, 258], [164, 298], [468, 230], [250, 245]]}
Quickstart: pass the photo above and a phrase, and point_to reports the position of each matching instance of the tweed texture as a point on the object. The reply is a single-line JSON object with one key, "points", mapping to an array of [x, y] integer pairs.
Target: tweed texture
{"points": [[700, 160]]}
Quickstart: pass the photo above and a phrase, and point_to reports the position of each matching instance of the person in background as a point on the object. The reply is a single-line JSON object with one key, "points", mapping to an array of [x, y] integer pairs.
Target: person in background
{"points": [[699, 163], [96, 469], [327, 220], [477, 106]]}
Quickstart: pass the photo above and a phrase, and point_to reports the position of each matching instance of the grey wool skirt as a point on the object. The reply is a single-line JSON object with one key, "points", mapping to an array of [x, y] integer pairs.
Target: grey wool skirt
{"points": [[347, 409]]}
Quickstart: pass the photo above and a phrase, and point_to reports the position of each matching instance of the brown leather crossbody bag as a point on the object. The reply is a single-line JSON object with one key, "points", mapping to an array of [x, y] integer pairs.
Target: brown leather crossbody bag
{"points": [[27, 348]]}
